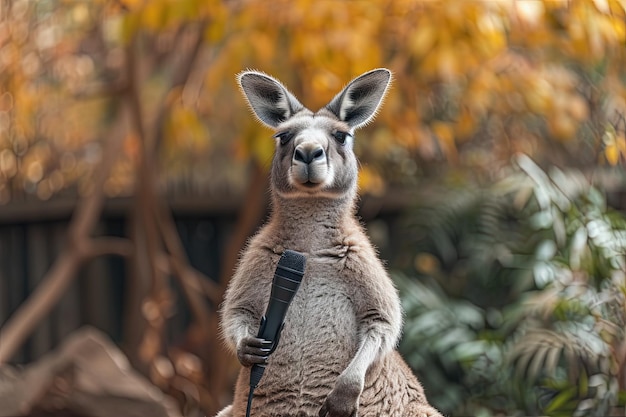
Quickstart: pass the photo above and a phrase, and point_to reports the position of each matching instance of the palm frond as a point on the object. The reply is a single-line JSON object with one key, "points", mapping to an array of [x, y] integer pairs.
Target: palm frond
{"points": [[517, 294]]}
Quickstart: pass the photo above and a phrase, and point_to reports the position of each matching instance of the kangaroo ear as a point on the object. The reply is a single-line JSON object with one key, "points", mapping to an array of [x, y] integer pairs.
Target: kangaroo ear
{"points": [[268, 98], [358, 103]]}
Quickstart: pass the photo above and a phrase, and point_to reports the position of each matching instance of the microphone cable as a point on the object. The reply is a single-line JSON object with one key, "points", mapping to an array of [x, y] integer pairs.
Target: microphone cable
{"points": [[256, 372]]}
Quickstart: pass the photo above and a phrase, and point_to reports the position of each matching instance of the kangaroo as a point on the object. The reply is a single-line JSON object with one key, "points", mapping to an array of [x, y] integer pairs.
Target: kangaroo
{"points": [[336, 356]]}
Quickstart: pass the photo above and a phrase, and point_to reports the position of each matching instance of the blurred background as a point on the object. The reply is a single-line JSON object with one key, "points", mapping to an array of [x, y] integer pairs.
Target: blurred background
{"points": [[492, 182]]}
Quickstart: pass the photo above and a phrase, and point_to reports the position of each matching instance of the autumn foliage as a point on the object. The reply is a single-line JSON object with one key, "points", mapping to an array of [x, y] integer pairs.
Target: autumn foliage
{"points": [[475, 82]]}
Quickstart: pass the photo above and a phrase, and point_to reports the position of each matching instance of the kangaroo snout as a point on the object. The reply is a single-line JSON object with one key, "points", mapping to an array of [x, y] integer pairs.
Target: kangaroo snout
{"points": [[308, 153], [309, 165]]}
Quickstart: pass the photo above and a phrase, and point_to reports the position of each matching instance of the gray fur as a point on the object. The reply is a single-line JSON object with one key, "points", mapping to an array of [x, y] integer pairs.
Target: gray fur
{"points": [[336, 355]]}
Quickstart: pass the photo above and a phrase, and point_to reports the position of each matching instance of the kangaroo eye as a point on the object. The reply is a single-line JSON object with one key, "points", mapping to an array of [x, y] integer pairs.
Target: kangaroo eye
{"points": [[284, 137], [341, 137]]}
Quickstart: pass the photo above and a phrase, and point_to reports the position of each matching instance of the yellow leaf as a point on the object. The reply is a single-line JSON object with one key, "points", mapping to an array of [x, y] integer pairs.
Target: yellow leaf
{"points": [[447, 64], [261, 146], [539, 95], [126, 30], [615, 147], [371, 182], [422, 40], [612, 154], [153, 15], [264, 47], [562, 126]]}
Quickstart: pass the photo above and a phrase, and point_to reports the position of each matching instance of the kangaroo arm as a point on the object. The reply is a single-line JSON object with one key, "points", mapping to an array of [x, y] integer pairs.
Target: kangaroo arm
{"points": [[237, 324], [368, 351], [377, 339]]}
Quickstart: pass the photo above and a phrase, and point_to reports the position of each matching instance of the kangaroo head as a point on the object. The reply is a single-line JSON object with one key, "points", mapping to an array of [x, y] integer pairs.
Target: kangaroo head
{"points": [[314, 154]]}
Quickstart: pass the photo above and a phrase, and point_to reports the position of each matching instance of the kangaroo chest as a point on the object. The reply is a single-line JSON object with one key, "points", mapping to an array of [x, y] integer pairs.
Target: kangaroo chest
{"points": [[320, 333], [321, 317]]}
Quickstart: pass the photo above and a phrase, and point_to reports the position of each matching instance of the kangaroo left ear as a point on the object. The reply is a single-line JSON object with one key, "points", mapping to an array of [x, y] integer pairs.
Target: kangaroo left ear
{"points": [[358, 103], [270, 101]]}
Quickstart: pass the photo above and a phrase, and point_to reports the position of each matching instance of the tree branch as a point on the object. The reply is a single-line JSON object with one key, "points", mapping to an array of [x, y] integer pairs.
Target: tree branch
{"points": [[147, 220], [64, 269], [179, 79], [193, 281], [108, 246]]}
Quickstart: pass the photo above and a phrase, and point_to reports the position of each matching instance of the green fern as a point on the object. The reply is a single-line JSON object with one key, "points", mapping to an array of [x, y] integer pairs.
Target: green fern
{"points": [[534, 301]]}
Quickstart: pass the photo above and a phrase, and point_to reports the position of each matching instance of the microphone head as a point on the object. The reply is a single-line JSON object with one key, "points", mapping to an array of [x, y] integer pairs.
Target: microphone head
{"points": [[293, 261]]}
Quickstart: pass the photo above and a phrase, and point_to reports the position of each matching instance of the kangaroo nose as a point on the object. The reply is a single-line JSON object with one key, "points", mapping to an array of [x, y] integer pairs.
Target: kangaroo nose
{"points": [[308, 154]]}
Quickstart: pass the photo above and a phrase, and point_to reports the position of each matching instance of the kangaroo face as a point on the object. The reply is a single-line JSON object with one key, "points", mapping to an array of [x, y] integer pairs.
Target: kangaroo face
{"points": [[314, 151], [314, 156]]}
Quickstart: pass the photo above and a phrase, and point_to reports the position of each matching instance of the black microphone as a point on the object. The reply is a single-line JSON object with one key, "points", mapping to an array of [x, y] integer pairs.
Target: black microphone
{"points": [[287, 278]]}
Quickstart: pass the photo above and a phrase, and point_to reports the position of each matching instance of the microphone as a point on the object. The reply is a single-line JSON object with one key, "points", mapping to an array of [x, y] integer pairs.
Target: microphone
{"points": [[287, 278]]}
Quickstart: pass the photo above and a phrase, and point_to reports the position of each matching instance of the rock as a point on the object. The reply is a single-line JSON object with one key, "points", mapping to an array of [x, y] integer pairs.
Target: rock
{"points": [[86, 376]]}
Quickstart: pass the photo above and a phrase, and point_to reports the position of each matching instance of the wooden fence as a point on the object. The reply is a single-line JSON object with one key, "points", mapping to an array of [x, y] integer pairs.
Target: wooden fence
{"points": [[32, 237]]}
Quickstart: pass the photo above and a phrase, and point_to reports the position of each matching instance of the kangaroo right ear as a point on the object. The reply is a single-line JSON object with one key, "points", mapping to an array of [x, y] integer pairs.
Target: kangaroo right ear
{"points": [[358, 103], [270, 101]]}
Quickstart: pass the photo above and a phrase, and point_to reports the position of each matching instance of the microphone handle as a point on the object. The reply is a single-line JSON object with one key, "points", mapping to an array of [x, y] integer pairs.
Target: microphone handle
{"points": [[269, 330], [272, 322], [256, 373]]}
